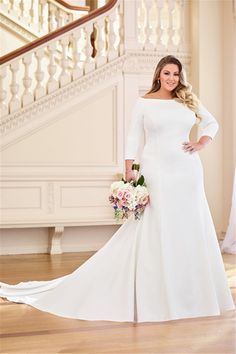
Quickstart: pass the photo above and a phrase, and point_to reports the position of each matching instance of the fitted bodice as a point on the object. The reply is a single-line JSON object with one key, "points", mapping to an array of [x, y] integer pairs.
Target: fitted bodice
{"points": [[166, 125], [166, 119]]}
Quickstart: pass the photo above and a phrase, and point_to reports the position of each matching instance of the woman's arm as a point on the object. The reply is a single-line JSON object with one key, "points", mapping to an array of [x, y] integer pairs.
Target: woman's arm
{"points": [[209, 128], [134, 138], [129, 173], [208, 124]]}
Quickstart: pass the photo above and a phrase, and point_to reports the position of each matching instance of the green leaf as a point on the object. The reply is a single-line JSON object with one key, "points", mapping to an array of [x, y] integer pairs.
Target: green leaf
{"points": [[140, 180]]}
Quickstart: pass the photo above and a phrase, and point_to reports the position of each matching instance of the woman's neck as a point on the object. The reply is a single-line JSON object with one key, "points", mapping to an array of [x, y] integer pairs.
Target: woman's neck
{"points": [[163, 94]]}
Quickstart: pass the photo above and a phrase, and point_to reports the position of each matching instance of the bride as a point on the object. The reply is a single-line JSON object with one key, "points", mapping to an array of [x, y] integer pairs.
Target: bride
{"points": [[168, 264]]}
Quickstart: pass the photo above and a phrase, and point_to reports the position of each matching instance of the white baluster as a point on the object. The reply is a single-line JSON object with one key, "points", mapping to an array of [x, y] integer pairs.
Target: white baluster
{"points": [[20, 9], [60, 18], [150, 28], [77, 71], [100, 43], [52, 17], [112, 35], [88, 49], [43, 17], [153, 18], [142, 22], [14, 103], [121, 28], [165, 23], [3, 94], [81, 48], [176, 23], [5, 5], [24, 13], [52, 84], [182, 43], [14, 7], [171, 31], [65, 76], [159, 30], [34, 16], [39, 75], [27, 96]]}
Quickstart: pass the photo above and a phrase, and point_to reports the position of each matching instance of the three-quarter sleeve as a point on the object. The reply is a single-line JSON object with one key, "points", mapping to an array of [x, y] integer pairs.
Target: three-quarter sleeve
{"points": [[135, 132], [208, 124]]}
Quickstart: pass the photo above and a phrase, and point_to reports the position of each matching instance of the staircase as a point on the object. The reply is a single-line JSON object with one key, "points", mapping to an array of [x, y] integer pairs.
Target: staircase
{"points": [[36, 18], [69, 94]]}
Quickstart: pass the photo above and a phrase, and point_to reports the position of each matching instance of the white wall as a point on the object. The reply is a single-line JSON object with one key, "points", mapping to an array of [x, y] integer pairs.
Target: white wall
{"points": [[229, 106], [9, 41], [210, 92], [212, 68], [62, 171]]}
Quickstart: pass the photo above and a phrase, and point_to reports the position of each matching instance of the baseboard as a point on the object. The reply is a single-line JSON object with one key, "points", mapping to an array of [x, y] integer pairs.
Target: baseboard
{"points": [[66, 247], [11, 250], [5, 251], [82, 248]]}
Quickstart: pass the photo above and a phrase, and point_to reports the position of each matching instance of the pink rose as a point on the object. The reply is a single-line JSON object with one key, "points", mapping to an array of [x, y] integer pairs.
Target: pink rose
{"points": [[127, 195], [120, 194]]}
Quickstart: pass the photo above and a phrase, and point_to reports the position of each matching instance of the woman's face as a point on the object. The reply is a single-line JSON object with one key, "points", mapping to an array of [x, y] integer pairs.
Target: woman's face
{"points": [[169, 77]]}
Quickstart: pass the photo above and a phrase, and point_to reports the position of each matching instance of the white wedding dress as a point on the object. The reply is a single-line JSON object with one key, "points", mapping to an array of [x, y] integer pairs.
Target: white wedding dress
{"points": [[168, 264]]}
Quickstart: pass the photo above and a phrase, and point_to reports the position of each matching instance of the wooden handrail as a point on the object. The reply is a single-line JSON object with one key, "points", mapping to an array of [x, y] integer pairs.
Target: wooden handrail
{"points": [[36, 43], [73, 7]]}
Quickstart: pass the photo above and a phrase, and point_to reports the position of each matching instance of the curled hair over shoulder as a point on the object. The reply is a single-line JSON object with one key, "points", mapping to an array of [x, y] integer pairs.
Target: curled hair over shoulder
{"points": [[183, 92]]}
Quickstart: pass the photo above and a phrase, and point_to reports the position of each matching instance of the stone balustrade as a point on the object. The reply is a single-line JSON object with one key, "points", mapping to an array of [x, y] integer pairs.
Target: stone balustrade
{"points": [[40, 16], [145, 25]]}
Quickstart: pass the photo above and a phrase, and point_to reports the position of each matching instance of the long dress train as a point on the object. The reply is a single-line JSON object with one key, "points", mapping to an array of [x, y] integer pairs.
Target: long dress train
{"points": [[168, 264]]}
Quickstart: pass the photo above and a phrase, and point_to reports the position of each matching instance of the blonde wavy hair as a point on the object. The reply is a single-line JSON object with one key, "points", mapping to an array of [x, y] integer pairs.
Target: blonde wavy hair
{"points": [[183, 92]]}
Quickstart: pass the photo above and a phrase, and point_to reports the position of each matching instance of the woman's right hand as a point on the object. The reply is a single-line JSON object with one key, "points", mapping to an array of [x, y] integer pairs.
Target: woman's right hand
{"points": [[130, 175]]}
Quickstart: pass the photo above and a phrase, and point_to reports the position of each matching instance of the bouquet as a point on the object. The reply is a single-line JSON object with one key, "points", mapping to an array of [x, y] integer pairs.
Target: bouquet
{"points": [[129, 197]]}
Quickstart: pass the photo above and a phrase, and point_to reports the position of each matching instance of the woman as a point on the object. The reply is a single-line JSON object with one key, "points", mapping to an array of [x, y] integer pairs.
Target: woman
{"points": [[168, 264]]}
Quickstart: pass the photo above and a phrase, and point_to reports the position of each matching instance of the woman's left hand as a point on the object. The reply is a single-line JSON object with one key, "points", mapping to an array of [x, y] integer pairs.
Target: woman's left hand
{"points": [[192, 147]]}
